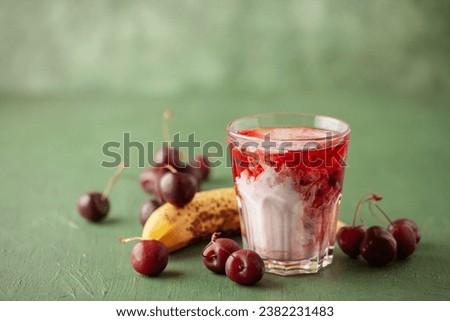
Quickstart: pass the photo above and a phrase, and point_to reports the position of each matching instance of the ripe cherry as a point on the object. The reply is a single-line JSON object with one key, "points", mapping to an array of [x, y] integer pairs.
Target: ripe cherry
{"points": [[198, 166], [349, 239], [409, 222], [149, 257], [94, 206], [147, 208], [216, 253], [150, 177], [378, 246], [406, 240], [178, 188], [168, 156], [244, 267]]}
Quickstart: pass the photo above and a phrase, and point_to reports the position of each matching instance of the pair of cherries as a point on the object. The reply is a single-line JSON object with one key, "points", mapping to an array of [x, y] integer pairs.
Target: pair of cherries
{"points": [[225, 256], [172, 182], [378, 245], [171, 179]]}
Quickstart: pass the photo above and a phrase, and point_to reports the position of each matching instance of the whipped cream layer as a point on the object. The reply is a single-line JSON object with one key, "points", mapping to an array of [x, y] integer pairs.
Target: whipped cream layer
{"points": [[280, 222]]}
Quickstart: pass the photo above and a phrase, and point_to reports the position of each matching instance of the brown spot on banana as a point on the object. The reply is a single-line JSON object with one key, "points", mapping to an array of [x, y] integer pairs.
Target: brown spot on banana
{"points": [[208, 212]]}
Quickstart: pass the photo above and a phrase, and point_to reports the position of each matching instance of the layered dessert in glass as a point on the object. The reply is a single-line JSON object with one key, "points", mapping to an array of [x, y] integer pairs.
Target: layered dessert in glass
{"points": [[288, 170]]}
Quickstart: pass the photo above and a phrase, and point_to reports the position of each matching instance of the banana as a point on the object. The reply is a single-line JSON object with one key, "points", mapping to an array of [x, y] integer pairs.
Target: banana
{"points": [[208, 212]]}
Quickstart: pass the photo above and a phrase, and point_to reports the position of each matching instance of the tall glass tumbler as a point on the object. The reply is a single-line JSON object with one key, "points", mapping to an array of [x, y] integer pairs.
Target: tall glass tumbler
{"points": [[288, 170]]}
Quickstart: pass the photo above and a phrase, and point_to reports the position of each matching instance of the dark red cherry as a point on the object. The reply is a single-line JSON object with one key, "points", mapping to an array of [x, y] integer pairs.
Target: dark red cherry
{"points": [[216, 253], [149, 178], [406, 240], [195, 172], [149, 257], [199, 166], [244, 267], [168, 156], [349, 239], [93, 206], [147, 208], [378, 246], [178, 188], [406, 221]]}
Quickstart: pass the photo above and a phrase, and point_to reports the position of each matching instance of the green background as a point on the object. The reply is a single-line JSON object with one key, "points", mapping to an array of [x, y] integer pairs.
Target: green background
{"points": [[76, 74]]}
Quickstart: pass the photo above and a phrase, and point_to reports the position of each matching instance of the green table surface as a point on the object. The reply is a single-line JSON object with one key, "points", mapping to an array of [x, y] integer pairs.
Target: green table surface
{"points": [[50, 153]]}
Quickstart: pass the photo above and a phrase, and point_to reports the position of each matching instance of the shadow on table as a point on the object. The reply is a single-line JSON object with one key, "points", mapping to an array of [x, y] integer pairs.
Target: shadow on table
{"points": [[171, 274], [112, 221]]}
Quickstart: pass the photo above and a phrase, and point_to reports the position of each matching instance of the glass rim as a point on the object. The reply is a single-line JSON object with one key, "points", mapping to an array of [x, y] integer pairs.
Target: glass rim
{"points": [[337, 135]]}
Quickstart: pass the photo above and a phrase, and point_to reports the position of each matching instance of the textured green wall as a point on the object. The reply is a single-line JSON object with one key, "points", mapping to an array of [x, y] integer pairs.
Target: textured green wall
{"points": [[169, 47]]}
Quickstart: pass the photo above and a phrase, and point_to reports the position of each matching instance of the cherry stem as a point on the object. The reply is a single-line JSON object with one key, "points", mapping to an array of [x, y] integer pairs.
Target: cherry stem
{"points": [[383, 212], [376, 197], [373, 212], [361, 201], [204, 249], [165, 125], [215, 236], [171, 168], [129, 239], [113, 180]]}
